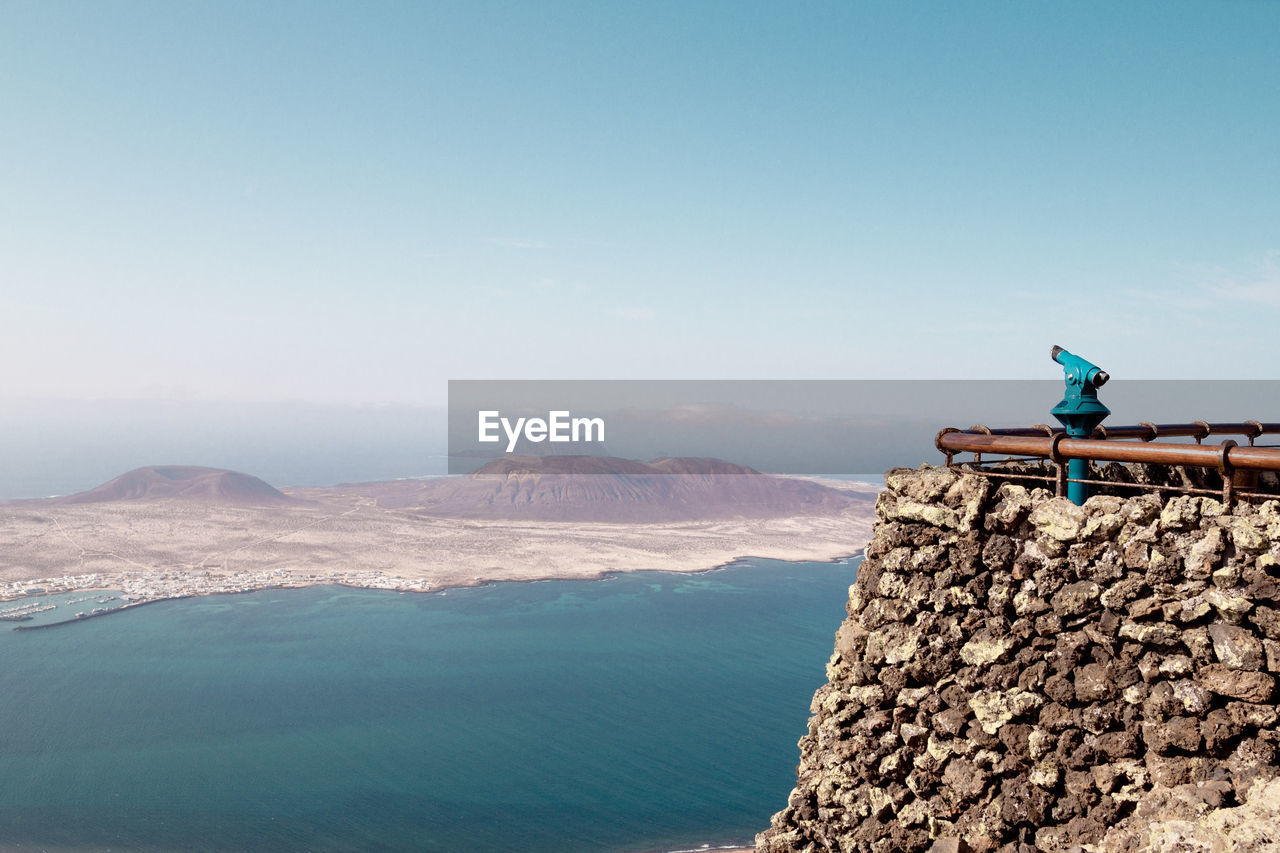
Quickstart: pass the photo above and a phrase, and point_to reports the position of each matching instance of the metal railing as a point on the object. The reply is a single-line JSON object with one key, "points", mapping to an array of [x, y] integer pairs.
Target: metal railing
{"points": [[1238, 465]]}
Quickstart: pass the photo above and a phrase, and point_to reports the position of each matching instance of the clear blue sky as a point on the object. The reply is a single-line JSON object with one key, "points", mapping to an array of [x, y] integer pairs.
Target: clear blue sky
{"points": [[355, 202]]}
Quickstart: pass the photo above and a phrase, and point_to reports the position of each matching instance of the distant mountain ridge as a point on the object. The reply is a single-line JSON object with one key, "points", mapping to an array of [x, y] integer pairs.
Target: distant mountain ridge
{"points": [[607, 489], [183, 482], [513, 488]]}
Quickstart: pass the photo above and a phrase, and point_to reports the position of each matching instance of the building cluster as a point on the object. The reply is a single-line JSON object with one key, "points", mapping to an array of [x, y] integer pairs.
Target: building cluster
{"points": [[153, 586]]}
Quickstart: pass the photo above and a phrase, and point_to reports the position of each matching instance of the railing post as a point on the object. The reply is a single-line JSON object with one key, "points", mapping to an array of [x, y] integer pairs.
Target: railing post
{"points": [[1059, 466], [1228, 474]]}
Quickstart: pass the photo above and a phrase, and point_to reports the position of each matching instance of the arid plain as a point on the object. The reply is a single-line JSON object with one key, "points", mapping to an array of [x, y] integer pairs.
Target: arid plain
{"points": [[216, 535]]}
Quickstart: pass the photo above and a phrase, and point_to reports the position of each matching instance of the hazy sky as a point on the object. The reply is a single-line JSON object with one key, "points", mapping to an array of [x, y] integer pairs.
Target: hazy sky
{"points": [[355, 202]]}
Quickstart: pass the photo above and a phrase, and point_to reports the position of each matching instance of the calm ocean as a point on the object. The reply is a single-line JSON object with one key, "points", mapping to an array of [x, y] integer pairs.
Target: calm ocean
{"points": [[650, 711]]}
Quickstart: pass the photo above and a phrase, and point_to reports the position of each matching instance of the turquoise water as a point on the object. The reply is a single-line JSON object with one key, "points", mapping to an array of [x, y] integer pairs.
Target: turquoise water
{"points": [[649, 711]]}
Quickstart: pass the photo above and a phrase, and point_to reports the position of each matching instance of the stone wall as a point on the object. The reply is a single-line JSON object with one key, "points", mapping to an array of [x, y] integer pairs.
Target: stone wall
{"points": [[1021, 674]]}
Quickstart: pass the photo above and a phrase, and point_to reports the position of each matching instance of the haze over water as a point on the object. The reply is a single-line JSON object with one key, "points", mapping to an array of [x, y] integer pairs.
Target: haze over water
{"points": [[648, 711]]}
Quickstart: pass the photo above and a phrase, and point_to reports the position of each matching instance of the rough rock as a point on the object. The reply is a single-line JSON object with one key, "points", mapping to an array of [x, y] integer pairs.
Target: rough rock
{"points": [[1197, 818], [1019, 674]]}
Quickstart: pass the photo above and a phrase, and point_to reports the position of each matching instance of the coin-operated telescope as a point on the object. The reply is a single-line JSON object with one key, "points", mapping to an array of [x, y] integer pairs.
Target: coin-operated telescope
{"points": [[1080, 411]]}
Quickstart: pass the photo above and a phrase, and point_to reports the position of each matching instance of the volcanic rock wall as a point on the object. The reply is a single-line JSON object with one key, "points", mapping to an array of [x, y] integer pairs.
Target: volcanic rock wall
{"points": [[1021, 673]]}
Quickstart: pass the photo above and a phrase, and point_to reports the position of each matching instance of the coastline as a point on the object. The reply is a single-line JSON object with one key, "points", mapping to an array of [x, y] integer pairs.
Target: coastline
{"points": [[152, 551], [197, 588]]}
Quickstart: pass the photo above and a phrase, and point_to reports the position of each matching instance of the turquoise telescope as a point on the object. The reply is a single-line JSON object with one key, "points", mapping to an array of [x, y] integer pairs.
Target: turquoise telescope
{"points": [[1080, 411]]}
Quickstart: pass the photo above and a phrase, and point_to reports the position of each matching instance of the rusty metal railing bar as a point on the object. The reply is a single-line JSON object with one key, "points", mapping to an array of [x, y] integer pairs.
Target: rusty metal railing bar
{"points": [[1198, 430], [975, 468], [1226, 455]]}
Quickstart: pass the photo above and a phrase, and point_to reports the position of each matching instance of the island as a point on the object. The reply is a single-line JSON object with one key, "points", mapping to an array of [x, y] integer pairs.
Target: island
{"points": [[175, 531]]}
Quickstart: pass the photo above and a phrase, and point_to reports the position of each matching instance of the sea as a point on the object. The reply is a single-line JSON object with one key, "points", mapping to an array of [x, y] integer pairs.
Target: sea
{"points": [[648, 711]]}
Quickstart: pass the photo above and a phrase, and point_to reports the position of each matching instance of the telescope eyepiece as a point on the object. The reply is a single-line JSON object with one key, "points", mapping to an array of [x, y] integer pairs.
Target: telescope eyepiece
{"points": [[1078, 370]]}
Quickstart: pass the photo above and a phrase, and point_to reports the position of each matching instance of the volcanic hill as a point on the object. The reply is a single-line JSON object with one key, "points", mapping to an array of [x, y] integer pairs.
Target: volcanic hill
{"points": [[606, 489], [183, 482]]}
